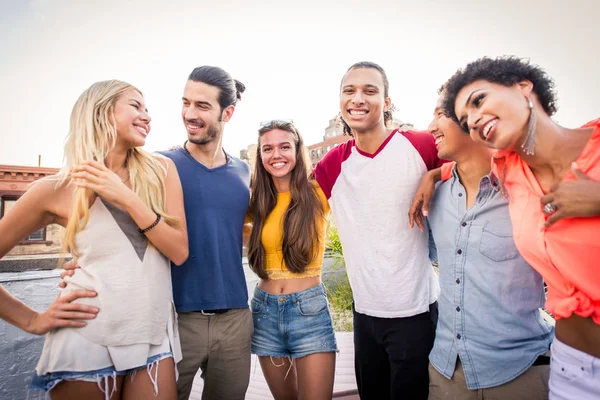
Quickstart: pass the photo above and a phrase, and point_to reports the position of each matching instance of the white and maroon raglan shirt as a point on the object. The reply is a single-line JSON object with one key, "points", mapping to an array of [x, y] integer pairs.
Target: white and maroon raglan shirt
{"points": [[370, 194]]}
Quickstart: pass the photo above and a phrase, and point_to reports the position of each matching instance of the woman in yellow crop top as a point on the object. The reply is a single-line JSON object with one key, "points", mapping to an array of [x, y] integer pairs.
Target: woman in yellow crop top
{"points": [[293, 331]]}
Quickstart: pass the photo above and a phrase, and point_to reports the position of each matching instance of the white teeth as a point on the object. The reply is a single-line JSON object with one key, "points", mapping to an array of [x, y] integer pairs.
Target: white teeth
{"points": [[439, 140], [278, 164], [142, 130], [193, 126], [488, 128], [357, 112]]}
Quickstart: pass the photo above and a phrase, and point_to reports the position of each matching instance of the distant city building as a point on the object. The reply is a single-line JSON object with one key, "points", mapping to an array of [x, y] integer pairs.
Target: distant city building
{"points": [[334, 135], [249, 155], [396, 123]]}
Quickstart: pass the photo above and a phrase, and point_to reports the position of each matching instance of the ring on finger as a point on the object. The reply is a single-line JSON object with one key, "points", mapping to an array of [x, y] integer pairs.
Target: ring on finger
{"points": [[550, 208]]}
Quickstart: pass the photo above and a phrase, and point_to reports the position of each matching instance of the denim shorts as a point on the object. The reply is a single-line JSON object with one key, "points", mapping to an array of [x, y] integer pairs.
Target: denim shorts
{"points": [[101, 376], [292, 325]]}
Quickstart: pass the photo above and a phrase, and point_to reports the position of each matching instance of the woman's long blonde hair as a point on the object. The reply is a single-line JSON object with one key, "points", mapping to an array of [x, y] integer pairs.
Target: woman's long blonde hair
{"points": [[92, 135]]}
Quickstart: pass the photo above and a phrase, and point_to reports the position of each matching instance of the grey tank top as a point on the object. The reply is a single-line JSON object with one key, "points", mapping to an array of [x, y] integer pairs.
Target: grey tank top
{"points": [[131, 277]]}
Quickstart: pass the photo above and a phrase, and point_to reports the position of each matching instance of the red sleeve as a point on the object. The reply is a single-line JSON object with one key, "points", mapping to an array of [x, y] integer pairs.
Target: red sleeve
{"points": [[424, 143], [447, 170], [328, 169]]}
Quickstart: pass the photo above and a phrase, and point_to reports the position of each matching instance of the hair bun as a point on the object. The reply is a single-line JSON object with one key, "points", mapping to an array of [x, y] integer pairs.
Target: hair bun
{"points": [[240, 88]]}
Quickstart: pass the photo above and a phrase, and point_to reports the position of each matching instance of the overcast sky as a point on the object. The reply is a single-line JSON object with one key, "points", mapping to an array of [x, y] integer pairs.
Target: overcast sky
{"points": [[291, 55]]}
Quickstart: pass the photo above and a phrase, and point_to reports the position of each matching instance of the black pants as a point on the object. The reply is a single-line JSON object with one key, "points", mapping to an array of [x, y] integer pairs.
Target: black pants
{"points": [[391, 355]]}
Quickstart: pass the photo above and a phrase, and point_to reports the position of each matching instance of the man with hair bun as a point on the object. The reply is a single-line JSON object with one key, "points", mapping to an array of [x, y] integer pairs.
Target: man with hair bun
{"points": [[209, 290]]}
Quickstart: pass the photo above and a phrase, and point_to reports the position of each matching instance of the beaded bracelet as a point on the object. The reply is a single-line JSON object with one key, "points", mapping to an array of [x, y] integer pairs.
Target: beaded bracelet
{"points": [[156, 221]]}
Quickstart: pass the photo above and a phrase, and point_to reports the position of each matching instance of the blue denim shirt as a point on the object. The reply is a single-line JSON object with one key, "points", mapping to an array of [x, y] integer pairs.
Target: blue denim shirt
{"points": [[490, 297]]}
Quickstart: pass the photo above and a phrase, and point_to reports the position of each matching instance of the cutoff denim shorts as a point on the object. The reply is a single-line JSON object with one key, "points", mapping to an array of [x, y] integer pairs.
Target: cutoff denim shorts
{"points": [[292, 325], [101, 376]]}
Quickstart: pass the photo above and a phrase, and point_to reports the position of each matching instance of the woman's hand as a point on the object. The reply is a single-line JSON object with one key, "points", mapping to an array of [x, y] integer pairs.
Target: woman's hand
{"points": [[577, 198], [97, 177], [63, 312]]}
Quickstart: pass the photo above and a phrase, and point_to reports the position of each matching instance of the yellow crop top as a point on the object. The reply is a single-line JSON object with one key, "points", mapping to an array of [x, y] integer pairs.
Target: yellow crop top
{"points": [[272, 236]]}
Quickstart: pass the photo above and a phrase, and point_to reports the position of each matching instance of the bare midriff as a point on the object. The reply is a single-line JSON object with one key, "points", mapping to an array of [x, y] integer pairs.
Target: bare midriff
{"points": [[288, 286], [580, 333]]}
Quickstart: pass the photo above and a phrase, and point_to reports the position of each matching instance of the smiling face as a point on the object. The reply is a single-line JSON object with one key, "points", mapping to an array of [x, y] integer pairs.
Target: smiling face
{"points": [[450, 140], [494, 115], [202, 115], [363, 100], [278, 154], [131, 118]]}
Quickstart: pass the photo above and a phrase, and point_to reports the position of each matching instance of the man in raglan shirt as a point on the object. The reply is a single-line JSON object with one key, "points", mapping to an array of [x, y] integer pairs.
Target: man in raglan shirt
{"points": [[370, 182]]}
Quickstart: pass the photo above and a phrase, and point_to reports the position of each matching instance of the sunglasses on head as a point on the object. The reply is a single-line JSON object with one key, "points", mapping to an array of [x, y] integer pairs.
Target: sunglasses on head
{"points": [[266, 124]]}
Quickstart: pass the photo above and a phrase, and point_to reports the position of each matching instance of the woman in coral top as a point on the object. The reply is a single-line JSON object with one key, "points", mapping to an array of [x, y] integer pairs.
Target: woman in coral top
{"points": [[293, 331], [507, 104]]}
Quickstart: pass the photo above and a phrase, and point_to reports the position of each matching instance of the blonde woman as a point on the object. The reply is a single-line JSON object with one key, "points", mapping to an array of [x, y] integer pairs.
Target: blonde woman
{"points": [[124, 218]]}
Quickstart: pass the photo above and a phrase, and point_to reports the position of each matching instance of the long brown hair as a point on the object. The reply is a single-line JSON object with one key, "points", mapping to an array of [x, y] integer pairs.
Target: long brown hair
{"points": [[301, 219]]}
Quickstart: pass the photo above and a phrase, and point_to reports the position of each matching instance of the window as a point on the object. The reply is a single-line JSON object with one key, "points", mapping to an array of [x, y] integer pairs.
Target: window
{"points": [[38, 236]]}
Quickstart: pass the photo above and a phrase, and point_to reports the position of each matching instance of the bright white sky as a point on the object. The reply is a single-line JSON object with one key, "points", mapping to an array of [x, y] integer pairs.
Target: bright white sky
{"points": [[291, 55]]}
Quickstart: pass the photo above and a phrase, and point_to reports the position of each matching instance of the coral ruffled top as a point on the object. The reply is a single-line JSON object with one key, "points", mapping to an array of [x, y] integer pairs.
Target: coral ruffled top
{"points": [[567, 254]]}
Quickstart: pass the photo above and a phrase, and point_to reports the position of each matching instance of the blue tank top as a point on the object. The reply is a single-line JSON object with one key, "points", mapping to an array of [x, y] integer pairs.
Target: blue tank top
{"points": [[216, 201]]}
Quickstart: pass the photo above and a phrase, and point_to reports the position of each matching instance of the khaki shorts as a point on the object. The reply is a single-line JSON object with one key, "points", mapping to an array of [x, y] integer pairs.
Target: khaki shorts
{"points": [[530, 385], [218, 345]]}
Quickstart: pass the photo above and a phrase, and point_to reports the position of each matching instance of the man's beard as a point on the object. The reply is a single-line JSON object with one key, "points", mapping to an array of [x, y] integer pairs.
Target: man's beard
{"points": [[211, 135]]}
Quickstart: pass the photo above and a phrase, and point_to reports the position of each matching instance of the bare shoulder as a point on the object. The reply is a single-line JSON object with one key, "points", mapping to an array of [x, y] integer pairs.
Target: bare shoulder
{"points": [[48, 196], [49, 189]]}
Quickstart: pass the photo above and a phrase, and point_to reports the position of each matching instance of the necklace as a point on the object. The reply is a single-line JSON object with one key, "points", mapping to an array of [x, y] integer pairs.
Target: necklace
{"points": [[209, 166], [123, 180]]}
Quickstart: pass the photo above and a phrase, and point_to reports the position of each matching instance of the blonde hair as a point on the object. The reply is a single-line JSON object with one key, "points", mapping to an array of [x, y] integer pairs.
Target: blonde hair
{"points": [[92, 135]]}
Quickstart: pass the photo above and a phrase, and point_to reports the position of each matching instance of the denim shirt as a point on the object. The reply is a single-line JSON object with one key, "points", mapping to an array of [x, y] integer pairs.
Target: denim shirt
{"points": [[490, 297]]}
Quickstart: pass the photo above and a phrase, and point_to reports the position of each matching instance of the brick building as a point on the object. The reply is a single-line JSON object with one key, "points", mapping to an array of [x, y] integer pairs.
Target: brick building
{"points": [[45, 243]]}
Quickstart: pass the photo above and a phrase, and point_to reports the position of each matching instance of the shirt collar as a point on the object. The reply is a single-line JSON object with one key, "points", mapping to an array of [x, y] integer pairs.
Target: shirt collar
{"points": [[489, 179]]}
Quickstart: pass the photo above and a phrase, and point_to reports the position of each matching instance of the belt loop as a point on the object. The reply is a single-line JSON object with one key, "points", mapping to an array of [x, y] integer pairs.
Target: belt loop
{"points": [[265, 297]]}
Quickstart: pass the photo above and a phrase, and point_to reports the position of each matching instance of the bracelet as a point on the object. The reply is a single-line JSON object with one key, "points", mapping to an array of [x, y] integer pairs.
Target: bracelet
{"points": [[156, 221]]}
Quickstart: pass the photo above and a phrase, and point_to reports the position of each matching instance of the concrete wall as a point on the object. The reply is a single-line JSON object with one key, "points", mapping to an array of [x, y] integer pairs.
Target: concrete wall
{"points": [[19, 351]]}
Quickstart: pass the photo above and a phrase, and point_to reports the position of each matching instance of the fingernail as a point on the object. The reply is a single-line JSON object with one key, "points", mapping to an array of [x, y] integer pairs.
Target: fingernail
{"points": [[574, 165], [425, 213]]}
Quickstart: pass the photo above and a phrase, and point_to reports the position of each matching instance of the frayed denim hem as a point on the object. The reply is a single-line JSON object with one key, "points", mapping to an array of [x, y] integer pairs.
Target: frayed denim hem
{"points": [[102, 376]]}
